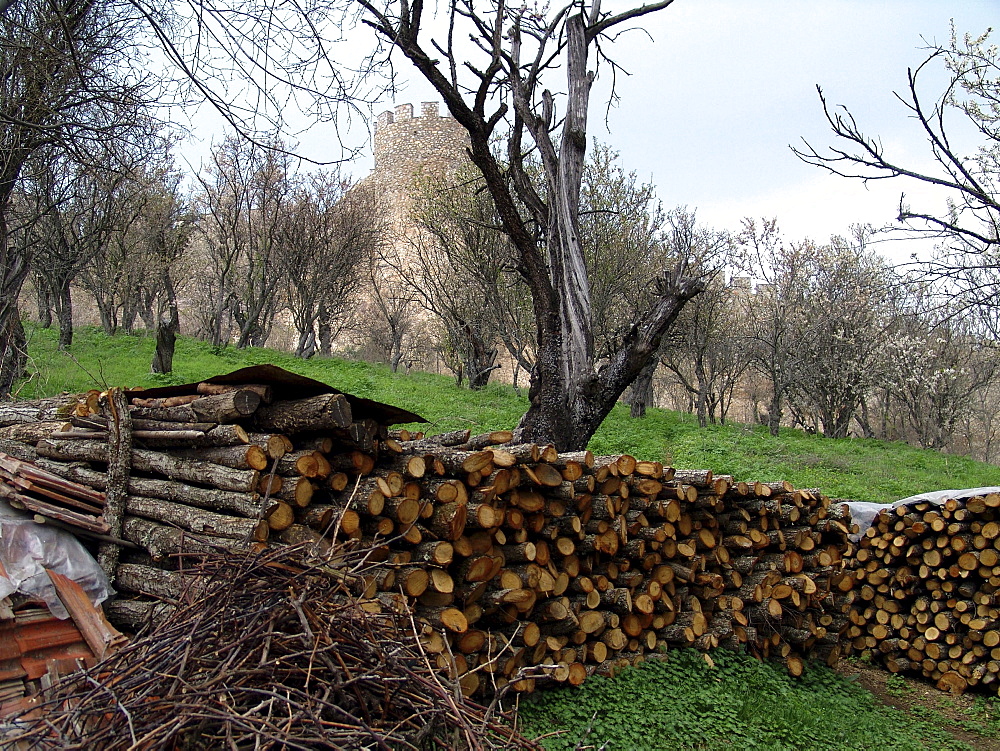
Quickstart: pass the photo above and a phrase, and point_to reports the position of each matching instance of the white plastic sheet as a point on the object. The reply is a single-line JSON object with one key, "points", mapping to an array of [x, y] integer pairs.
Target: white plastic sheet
{"points": [[863, 514], [28, 548]]}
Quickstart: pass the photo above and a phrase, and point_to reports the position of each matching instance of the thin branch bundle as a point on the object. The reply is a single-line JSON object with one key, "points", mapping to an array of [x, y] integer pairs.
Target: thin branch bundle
{"points": [[270, 653]]}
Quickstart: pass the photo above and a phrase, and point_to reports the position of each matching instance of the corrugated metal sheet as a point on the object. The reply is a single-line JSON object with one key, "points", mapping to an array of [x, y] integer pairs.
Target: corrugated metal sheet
{"points": [[288, 385]]}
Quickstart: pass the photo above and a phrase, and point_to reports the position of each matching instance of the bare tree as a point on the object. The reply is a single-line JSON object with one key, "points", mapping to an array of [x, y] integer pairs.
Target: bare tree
{"points": [[152, 228], [981, 425], [647, 248], [69, 77], [460, 267], [774, 313], [392, 331], [85, 206], [628, 241], [327, 238], [513, 51], [967, 225], [452, 267], [707, 351], [938, 372], [168, 224], [245, 199], [849, 306]]}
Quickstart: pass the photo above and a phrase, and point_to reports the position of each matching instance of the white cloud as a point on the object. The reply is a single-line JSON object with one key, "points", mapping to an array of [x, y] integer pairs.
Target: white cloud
{"points": [[825, 205]]}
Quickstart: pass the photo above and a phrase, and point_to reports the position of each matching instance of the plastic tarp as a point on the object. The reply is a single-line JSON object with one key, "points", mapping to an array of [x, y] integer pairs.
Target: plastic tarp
{"points": [[28, 548], [863, 514]]}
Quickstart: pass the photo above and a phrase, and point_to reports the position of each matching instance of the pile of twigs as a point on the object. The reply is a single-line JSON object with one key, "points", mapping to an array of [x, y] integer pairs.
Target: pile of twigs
{"points": [[271, 652]]}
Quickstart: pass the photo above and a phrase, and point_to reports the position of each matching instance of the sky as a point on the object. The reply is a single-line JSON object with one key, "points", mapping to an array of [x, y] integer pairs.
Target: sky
{"points": [[723, 87], [726, 87]]}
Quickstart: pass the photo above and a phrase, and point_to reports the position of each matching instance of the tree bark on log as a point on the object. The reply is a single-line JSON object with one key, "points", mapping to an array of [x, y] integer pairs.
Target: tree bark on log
{"points": [[189, 470], [323, 412], [119, 469], [209, 498], [431, 444], [263, 390], [162, 541], [274, 444], [218, 436], [30, 432], [39, 410], [197, 520], [136, 615], [234, 457], [223, 408], [100, 422], [159, 583]]}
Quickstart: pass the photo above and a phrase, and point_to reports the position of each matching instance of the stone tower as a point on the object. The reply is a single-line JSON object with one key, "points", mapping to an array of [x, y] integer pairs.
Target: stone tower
{"points": [[410, 154], [406, 145]]}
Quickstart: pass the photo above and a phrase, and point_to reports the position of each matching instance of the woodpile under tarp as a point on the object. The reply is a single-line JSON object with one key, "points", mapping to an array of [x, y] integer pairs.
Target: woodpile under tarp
{"points": [[924, 590], [517, 563]]}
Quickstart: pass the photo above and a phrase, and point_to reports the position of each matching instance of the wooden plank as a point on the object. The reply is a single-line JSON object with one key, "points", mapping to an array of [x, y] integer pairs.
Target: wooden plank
{"points": [[102, 638]]}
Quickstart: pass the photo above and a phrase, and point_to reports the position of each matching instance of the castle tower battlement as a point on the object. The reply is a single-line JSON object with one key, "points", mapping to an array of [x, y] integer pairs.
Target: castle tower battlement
{"points": [[405, 143]]}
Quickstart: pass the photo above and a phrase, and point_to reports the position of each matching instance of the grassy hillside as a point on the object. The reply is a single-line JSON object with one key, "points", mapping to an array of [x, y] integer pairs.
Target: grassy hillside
{"points": [[861, 469], [730, 701]]}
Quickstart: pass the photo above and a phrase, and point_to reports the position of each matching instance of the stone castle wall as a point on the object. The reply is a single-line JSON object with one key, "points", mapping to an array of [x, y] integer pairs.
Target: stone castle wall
{"points": [[430, 142]]}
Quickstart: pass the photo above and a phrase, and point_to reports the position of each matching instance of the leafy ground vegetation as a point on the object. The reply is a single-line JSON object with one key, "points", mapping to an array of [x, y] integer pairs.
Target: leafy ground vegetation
{"points": [[683, 701], [732, 701]]}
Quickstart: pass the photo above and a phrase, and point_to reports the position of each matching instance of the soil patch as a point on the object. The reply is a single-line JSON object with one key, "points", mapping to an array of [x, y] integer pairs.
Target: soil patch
{"points": [[922, 701]]}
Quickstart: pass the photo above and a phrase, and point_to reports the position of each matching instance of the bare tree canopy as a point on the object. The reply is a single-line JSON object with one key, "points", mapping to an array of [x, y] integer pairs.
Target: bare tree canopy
{"points": [[961, 124], [71, 76], [525, 75], [79, 74]]}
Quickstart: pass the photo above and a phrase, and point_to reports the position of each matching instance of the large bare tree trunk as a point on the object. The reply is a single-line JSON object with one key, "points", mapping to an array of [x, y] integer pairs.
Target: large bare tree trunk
{"points": [[13, 349], [640, 395], [325, 332], [481, 358], [569, 396], [44, 299], [166, 330], [13, 271], [774, 413], [306, 346], [566, 260], [63, 299], [106, 310], [568, 418]]}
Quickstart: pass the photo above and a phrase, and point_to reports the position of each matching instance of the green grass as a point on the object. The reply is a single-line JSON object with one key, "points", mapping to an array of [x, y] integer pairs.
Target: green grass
{"points": [[681, 702], [678, 703], [852, 468]]}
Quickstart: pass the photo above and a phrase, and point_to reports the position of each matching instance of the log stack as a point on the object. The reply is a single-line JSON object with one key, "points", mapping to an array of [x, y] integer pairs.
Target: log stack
{"points": [[923, 594], [517, 562]]}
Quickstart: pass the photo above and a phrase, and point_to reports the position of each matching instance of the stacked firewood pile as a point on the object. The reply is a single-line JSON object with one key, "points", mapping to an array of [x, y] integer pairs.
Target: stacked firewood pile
{"points": [[923, 595], [207, 470], [517, 562], [270, 654]]}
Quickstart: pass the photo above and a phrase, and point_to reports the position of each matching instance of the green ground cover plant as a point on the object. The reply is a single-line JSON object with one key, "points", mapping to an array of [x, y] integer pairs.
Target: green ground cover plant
{"points": [[683, 702]]}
